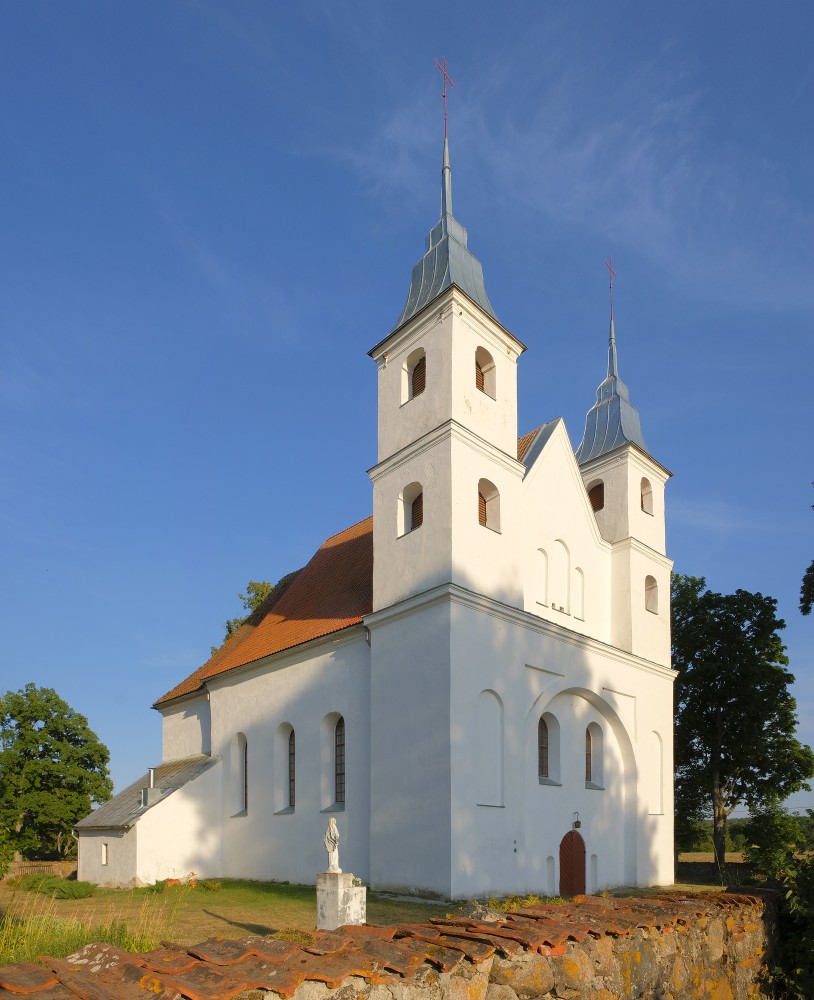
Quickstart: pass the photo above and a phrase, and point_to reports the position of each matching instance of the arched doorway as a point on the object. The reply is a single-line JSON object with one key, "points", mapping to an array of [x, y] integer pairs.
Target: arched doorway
{"points": [[572, 864]]}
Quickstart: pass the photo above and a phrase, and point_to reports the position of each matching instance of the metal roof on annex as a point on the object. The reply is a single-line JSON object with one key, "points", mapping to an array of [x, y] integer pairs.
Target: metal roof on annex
{"points": [[122, 811]]}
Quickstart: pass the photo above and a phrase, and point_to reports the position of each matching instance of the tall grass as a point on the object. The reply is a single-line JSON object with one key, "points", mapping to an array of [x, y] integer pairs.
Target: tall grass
{"points": [[30, 927]]}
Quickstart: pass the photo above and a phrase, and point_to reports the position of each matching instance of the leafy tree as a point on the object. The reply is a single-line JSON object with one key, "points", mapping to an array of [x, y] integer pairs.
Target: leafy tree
{"points": [[773, 839], [256, 592], [735, 717], [807, 589], [52, 769]]}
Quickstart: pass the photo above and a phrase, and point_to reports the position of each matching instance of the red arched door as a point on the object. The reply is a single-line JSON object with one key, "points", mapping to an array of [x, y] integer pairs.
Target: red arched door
{"points": [[572, 864]]}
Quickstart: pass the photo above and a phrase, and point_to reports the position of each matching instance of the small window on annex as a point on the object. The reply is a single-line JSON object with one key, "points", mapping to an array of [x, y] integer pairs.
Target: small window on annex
{"points": [[488, 505], [292, 769], [414, 375], [596, 495], [410, 514], [651, 595], [105, 854], [240, 774], [647, 496], [485, 379]]}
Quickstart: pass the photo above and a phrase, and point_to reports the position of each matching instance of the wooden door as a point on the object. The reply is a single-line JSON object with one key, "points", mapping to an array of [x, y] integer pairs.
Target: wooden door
{"points": [[572, 864]]}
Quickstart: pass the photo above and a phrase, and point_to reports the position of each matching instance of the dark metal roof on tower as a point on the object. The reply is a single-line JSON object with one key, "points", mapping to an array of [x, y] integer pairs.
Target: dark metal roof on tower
{"points": [[613, 420], [448, 261]]}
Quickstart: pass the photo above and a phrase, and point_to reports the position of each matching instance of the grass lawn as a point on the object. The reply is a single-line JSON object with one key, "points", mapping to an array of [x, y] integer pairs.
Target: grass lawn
{"points": [[138, 919]]}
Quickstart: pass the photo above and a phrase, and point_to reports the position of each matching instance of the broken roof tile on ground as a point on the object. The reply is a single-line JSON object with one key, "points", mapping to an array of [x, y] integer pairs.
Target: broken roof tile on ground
{"points": [[220, 968]]}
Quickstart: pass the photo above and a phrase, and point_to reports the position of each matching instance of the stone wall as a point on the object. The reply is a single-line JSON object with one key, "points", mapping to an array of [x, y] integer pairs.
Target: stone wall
{"points": [[665, 947]]}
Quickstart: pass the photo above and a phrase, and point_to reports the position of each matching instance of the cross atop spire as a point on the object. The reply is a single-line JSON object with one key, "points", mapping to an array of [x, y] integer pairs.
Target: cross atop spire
{"points": [[447, 79]]}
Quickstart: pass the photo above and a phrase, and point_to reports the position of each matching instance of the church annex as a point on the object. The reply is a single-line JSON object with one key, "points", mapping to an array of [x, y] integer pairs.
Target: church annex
{"points": [[475, 681]]}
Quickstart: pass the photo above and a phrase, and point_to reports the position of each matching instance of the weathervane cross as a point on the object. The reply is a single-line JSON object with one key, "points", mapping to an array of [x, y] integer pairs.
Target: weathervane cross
{"points": [[612, 275], [447, 78]]}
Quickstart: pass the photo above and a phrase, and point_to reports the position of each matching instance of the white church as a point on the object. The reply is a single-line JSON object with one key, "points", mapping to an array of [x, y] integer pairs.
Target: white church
{"points": [[475, 682]]}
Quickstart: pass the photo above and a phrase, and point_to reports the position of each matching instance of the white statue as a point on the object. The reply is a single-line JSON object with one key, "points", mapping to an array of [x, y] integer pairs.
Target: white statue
{"points": [[331, 841]]}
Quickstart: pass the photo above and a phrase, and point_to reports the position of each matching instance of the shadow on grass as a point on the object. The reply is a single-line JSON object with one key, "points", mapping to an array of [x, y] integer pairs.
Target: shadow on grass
{"points": [[264, 929]]}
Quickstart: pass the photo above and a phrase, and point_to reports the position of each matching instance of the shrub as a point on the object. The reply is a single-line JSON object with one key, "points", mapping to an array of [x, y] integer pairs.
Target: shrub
{"points": [[795, 971], [59, 888], [773, 837]]}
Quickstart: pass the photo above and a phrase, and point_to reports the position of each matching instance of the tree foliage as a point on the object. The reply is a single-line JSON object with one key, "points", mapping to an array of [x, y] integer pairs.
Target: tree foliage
{"points": [[774, 837], [735, 718], [807, 589], [53, 768], [256, 592]]}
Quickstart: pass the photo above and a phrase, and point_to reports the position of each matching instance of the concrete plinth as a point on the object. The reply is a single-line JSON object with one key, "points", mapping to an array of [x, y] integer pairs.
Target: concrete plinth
{"points": [[339, 901]]}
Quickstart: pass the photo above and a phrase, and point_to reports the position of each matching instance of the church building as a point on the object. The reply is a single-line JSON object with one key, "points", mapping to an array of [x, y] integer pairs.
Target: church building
{"points": [[475, 681]]}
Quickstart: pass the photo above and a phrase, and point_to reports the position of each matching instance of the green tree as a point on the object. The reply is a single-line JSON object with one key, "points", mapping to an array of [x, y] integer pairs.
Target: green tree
{"points": [[807, 589], [256, 592], [773, 839], [735, 718], [53, 768]]}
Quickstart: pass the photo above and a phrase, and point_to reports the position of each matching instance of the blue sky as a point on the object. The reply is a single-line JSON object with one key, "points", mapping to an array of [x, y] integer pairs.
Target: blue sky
{"points": [[210, 213]]}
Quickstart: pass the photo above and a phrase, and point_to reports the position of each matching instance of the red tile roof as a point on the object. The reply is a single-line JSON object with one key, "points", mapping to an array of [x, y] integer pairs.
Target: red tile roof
{"points": [[333, 592]]}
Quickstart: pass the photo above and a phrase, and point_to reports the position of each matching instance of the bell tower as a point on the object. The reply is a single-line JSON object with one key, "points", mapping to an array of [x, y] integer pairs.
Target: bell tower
{"points": [[447, 474], [625, 486]]}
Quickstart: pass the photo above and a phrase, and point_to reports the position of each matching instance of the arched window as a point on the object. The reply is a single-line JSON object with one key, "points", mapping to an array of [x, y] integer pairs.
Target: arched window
{"points": [[410, 508], [559, 577], [596, 495], [292, 772], [488, 505], [542, 748], [647, 496], [651, 595], [339, 760], [593, 756], [240, 774], [485, 372], [542, 576], [419, 378], [578, 601], [548, 749]]}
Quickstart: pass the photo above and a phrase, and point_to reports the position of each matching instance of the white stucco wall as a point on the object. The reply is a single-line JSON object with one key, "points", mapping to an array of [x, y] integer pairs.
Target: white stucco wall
{"points": [[268, 840], [186, 728], [181, 833], [120, 869]]}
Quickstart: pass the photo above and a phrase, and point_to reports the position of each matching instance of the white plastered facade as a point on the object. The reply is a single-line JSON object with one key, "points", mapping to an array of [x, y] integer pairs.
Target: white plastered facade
{"points": [[550, 610]]}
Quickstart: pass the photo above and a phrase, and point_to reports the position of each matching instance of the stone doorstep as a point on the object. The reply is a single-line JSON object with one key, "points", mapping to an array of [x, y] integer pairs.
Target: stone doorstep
{"points": [[223, 969]]}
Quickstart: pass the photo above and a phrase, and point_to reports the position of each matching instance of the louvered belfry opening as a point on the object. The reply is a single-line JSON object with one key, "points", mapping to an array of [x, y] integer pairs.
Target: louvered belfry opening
{"points": [[417, 512], [542, 749], [596, 494], [481, 509], [420, 377], [479, 384]]}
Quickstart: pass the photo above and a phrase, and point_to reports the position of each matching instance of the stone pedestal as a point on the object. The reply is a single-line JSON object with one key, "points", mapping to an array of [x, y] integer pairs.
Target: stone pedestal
{"points": [[339, 901]]}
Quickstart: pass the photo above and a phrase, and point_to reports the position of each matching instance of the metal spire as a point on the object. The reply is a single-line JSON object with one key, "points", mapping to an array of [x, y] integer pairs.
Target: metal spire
{"points": [[613, 361], [446, 172]]}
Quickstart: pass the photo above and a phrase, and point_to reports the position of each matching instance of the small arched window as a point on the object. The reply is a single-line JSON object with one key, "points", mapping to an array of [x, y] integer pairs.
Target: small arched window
{"points": [[485, 379], [419, 378], [647, 496], [292, 770], [596, 496], [589, 749], [240, 774], [488, 505], [651, 595], [542, 748], [339, 760], [410, 509]]}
